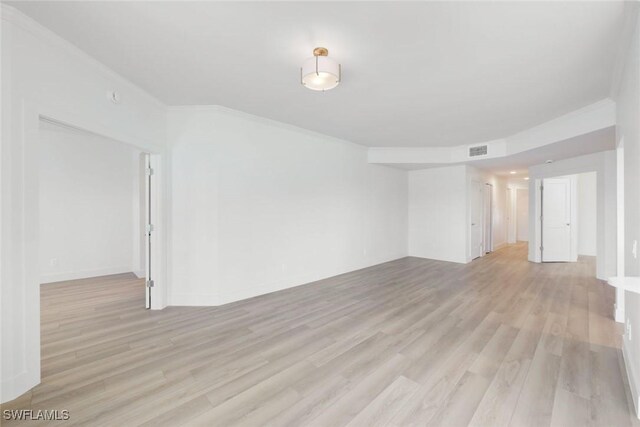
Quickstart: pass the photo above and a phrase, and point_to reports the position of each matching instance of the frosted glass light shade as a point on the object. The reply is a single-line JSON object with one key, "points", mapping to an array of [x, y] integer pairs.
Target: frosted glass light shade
{"points": [[320, 73]]}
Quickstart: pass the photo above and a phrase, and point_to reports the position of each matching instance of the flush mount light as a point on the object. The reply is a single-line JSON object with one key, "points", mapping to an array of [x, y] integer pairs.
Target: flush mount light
{"points": [[320, 72], [512, 172], [526, 178], [549, 161]]}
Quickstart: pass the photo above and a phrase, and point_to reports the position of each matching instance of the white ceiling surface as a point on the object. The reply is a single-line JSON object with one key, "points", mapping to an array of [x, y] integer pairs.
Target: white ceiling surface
{"points": [[414, 73], [593, 142]]}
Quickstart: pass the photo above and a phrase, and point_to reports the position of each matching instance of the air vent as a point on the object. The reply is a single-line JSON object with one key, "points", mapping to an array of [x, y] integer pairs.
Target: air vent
{"points": [[480, 150]]}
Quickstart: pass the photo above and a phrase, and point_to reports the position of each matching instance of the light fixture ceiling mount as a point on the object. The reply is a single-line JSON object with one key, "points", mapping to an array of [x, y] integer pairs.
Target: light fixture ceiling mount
{"points": [[321, 51], [320, 73]]}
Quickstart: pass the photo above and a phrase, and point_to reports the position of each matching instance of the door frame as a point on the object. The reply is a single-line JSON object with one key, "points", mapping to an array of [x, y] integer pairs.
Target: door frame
{"points": [[31, 115], [157, 156], [487, 219]]}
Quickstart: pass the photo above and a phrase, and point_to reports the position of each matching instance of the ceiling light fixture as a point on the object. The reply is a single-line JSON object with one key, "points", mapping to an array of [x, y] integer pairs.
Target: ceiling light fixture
{"points": [[526, 178], [512, 172], [549, 161], [320, 72]]}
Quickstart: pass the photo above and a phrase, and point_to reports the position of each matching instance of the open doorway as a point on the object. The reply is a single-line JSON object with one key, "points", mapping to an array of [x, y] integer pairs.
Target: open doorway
{"points": [[476, 207], [522, 214], [517, 208], [94, 207], [482, 204], [487, 237]]}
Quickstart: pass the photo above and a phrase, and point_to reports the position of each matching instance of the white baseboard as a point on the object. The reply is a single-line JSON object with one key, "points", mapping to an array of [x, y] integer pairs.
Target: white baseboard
{"points": [[14, 387], [267, 288], [618, 314], [445, 259], [74, 275], [264, 288], [632, 375], [140, 274], [194, 300]]}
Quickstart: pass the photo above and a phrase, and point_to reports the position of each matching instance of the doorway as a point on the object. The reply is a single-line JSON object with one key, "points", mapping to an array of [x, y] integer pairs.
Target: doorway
{"points": [[569, 217], [28, 192], [522, 215], [94, 203], [488, 219], [476, 213]]}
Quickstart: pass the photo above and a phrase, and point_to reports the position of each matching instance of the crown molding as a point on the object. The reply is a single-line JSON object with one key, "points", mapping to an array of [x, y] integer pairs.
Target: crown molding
{"points": [[220, 109]]}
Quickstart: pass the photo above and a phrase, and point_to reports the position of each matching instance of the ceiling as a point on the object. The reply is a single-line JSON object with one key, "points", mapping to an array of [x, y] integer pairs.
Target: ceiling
{"points": [[592, 142], [414, 73]]}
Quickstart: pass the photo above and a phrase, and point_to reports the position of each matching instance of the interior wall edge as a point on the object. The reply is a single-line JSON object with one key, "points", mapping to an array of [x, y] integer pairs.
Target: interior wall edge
{"points": [[13, 387], [632, 376]]}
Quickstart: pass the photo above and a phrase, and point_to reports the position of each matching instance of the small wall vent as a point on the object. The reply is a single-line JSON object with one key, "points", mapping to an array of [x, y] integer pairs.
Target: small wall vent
{"points": [[479, 150]]}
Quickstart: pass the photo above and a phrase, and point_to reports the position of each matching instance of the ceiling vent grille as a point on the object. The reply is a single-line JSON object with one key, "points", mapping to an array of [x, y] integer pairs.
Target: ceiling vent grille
{"points": [[479, 150]]}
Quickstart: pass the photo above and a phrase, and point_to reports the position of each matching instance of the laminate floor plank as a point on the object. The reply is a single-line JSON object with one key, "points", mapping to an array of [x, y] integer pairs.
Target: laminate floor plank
{"points": [[412, 342]]}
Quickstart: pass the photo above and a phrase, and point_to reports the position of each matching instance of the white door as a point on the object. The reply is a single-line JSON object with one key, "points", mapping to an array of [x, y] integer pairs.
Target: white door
{"points": [[556, 220], [476, 219]]}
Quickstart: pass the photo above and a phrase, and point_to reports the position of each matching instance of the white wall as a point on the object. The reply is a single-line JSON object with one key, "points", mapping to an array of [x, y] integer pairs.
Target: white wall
{"points": [[86, 205], [44, 75], [522, 214], [438, 213], [260, 206], [628, 129], [604, 163], [587, 213]]}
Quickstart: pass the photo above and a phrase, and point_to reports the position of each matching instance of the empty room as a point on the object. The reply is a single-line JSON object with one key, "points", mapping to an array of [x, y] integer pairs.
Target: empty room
{"points": [[309, 213]]}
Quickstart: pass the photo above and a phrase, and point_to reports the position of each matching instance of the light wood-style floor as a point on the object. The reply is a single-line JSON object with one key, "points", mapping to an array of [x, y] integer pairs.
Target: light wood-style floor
{"points": [[412, 342]]}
